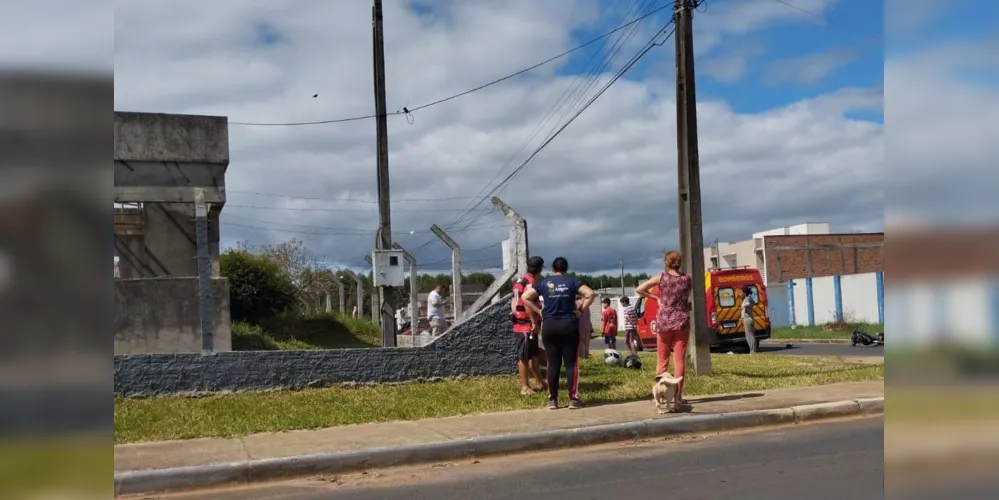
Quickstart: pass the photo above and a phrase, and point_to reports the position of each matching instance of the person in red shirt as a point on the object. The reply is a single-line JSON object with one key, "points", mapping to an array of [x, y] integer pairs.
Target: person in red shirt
{"points": [[610, 324], [525, 334]]}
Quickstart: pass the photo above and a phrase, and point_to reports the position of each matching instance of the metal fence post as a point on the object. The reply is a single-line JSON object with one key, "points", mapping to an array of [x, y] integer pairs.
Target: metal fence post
{"points": [[455, 271]]}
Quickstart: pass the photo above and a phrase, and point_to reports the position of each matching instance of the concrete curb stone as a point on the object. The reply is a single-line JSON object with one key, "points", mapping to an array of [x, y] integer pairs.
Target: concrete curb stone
{"points": [[203, 476]]}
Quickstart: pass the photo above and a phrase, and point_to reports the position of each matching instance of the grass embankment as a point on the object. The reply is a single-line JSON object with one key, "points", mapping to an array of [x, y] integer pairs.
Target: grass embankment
{"points": [[321, 331], [248, 413], [832, 331]]}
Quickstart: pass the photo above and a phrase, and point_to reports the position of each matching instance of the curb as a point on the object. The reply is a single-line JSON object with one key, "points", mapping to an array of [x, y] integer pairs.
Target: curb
{"points": [[807, 341], [203, 476]]}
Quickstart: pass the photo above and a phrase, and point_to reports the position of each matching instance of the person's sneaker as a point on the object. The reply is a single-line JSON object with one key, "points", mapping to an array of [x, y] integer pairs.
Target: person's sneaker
{"points": [[552, 404], [575, 404]]}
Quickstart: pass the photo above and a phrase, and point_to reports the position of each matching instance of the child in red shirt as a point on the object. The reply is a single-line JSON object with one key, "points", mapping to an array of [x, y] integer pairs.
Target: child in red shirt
{"points": [[610, 324]]}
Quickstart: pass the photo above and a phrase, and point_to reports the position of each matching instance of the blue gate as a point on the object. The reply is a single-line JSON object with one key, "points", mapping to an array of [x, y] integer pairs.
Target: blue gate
{"points": [[778, 307]]}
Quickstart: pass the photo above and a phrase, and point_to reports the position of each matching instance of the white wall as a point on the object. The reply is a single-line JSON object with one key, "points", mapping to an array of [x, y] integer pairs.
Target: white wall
{"points": [[960, 312], [859, 294], [800, 302], [860, 297], [824, 300]]}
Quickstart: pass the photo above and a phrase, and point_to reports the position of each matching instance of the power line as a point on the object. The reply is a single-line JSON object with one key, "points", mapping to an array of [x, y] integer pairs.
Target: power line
{"points": [[310, 209], [350, 199], [818, 16], [588, 75], [648, 47], [559, 103], [407, 111]]}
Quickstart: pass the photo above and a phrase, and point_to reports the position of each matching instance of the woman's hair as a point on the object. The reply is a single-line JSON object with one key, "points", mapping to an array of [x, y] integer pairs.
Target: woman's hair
{"points": [[672, 260], [560, 265]]}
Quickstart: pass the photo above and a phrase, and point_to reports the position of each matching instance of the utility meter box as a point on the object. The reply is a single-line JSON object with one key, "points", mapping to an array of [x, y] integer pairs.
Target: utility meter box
{"points": [[387, 267]]}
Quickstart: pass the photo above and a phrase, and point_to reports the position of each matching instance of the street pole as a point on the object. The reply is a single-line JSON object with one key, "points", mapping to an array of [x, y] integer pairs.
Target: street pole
{"points": [[384, 241], [689, 183]]}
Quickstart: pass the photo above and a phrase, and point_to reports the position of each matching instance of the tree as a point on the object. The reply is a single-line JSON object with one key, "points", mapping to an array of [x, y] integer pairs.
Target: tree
{"points": [[293, 257], [259, 288]]}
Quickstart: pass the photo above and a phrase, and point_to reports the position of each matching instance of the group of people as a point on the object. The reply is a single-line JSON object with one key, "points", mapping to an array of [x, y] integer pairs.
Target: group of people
{"points": [[553, 312]]}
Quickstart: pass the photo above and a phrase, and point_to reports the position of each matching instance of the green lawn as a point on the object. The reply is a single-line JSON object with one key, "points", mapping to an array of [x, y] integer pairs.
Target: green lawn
{"points": [[165, 418], [67, 467], [824, 332]]}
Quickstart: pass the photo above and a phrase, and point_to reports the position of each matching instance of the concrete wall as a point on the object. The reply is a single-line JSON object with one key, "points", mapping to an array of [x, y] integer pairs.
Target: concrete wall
{"points": [[856, 298], [962, 311], [782, 265], [161, 316], [482, 345]]}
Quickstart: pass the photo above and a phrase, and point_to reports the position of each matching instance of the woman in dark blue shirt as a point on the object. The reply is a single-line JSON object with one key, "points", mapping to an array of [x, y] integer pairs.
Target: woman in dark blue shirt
{"points": [[560, 326]]}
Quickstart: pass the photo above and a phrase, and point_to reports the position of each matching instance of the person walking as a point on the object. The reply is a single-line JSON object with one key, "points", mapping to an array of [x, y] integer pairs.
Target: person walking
{"points": [[748, 303], [524, 329], [560, 327], [435, 310], [672, 324]]}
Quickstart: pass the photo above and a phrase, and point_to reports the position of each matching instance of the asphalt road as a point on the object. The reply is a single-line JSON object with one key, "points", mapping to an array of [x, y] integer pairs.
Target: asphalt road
{"points": [[830, 461], [774, 347]]}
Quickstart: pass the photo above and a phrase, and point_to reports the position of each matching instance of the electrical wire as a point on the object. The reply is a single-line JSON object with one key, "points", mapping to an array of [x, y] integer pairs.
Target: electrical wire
{"points": [[560, 102], [645, 50], [409, 111]]}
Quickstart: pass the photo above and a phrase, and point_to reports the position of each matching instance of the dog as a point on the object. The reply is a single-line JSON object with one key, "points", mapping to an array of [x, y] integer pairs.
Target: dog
{"points": [[664, 392]]}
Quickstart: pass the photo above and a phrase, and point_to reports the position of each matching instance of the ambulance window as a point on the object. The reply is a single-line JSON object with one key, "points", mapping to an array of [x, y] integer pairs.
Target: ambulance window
{"points": [[726, 297], [640, 307]]}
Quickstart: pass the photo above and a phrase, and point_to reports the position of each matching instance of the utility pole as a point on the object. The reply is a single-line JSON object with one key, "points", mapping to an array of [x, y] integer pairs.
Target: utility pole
{"points": [[622, 279], [689, 182], [384, 241]]}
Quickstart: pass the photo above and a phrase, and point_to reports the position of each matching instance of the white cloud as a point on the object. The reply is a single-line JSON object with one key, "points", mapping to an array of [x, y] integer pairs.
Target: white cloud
{"points": [[808, 70], [603, 190], [943, 147], [733, 66]]}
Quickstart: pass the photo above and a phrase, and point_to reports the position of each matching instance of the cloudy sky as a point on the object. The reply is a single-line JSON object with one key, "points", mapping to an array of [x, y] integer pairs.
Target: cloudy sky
{"points": [[791, 112]]}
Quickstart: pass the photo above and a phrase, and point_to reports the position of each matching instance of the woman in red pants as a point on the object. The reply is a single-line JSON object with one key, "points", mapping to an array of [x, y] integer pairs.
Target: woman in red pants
{"points": [[672, 326]]}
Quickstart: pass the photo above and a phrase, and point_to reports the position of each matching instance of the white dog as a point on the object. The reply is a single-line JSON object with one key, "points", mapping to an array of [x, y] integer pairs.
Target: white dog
{"points": [[664, 392]]}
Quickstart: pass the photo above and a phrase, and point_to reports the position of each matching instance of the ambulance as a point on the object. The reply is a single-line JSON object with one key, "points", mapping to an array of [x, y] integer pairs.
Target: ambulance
{"points": [[723, 299]]}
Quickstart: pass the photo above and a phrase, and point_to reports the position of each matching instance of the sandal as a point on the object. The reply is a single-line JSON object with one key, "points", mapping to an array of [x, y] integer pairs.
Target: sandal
{"points": [[527, 392]]}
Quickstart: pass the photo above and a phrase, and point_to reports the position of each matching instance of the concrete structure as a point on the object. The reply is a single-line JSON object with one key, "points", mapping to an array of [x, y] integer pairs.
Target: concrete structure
{"points": [[851, 298], [481, 345], [784, 253], [160, 315], [160, 160]]}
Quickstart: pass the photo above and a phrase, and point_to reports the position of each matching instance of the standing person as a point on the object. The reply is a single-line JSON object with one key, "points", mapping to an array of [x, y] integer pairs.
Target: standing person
{"points": [[672, 326], [435, 310], [748, 301], [609, 317], [585, 330], [524, 330], [560, 327], [630, 325], [353, 314]]}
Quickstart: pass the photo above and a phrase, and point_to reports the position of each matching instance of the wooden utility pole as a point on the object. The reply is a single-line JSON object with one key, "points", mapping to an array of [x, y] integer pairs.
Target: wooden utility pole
{"points": [[384, 240], [689, 183]]}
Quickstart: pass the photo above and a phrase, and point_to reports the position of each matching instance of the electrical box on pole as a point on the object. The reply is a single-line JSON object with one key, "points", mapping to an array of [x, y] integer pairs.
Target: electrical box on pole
{"points": [[387, 267]]}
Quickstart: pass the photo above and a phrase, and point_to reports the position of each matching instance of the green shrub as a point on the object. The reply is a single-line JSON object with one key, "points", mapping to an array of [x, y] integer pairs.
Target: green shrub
{"points": [[258, 287], [247, 337]]}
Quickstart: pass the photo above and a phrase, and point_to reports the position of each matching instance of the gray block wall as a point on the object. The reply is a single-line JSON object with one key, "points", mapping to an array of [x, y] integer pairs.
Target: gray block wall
{"points": [[482, 345]]}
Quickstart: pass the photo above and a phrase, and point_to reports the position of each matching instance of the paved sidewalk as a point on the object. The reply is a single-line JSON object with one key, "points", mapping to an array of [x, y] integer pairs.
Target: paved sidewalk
{"points": [[161, 455]]}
